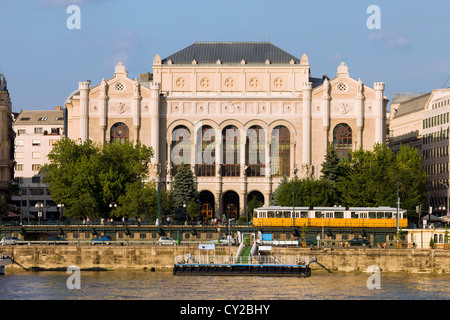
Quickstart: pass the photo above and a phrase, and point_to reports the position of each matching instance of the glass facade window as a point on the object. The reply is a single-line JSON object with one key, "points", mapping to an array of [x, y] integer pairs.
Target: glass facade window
{"points": [[206, 148], [120, 132], [255, 151], [280, 151], [342, 140], [181, 147], [231, 151]]}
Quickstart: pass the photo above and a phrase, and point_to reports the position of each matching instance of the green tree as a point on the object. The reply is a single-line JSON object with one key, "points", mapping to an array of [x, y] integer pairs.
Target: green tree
{"points": [[331, 168], [308, 193], [87, 177], [274, 201], [252, 205], [371, 178], [183, 191], [139, 200], [193, 209]]}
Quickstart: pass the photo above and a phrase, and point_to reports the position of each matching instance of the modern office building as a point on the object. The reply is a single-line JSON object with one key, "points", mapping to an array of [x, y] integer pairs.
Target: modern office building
{"points": [[435, 123], [242, 114], [36, 133]]}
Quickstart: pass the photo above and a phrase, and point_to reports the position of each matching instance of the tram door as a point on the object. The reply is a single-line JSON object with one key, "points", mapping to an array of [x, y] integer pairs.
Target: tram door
{"points": [[207, 210]]}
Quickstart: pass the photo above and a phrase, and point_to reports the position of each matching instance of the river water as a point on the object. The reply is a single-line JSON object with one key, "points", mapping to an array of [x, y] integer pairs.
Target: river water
{"points": [[146, 285]]}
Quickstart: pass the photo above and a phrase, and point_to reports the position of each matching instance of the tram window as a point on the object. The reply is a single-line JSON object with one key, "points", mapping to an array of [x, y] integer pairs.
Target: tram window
{"points": [[372, 215], [278, 214], [388, 215], [380, 215], [354, 215], [329, 214], [304, 214], [270, 214], [339, 215], [318, 214], [363, 215]]}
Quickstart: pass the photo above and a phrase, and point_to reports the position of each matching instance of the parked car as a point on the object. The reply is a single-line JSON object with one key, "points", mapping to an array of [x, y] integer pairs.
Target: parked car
{"points": [[101, 240], [166, 241], [57, 240], [359, 242], [12, 241], [225, 240]]}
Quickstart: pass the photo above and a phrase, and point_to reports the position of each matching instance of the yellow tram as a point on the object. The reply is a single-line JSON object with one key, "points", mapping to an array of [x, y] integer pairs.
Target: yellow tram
{"points": [[353, 217]]}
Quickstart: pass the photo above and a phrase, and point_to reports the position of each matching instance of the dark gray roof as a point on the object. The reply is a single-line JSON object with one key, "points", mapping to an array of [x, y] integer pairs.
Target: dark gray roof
{"points": [[415, 104], [231, 52]]}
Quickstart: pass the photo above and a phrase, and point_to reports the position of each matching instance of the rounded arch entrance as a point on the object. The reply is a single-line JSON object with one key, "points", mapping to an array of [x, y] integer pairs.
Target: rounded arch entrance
{"points": [[207, 204], [256, 194], [231, 205], [255, 199]]}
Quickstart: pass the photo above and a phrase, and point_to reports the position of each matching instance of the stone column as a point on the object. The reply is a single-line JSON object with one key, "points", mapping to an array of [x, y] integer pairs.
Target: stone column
{"points": [[169, 166], [380, 113], [307, 91], [103, 109], [136, 109], [84, 110], [154, 109], [359, 115], [326, 114]]}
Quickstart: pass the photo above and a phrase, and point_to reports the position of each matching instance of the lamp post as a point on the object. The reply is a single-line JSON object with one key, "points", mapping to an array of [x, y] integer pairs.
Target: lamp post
{"points": [[60, 206], [20, 192], [39, 205]]}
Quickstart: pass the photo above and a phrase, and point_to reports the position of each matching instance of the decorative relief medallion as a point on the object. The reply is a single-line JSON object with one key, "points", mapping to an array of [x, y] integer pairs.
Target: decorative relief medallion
{"points": [[278, 83], [180, 82], [344, 108], [120, 107], [205, 83], [229, 83], [232, 108], [93, 108], [254, 83]]}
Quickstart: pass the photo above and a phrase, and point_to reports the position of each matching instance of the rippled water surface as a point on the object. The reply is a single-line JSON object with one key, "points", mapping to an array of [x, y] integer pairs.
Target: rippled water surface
{"points": [[137, 285]]}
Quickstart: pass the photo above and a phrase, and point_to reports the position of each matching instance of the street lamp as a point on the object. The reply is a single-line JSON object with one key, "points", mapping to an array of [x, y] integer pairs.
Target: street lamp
{"points": [[60, 206], [39, 205], [185, 212]]}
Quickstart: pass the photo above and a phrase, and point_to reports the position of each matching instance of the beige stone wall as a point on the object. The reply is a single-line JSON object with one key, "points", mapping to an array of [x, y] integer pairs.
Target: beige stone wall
{"points": [[162, 258]]}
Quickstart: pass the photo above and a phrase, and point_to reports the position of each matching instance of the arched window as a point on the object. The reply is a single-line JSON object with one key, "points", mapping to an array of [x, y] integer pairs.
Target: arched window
{"points": [[231, 151], [280, 151], [181, 147], [255, 151], [342, 140], [206, 152], [120, 132]]}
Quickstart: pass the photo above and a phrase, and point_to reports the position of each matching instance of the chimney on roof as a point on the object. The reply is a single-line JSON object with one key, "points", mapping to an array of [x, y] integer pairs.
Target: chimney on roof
{"points": [[58, 108]]}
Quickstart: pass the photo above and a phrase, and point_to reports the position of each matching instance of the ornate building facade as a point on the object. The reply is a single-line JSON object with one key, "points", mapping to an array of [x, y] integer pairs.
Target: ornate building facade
{"points": [[6, 140], [241, 114]]}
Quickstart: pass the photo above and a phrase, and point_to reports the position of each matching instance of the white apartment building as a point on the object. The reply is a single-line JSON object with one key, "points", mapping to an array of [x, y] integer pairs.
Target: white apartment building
{"points": [[36, 133]]}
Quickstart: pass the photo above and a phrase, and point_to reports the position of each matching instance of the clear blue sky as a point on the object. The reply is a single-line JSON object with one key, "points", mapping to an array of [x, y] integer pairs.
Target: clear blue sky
{"points": [[43, 60]]}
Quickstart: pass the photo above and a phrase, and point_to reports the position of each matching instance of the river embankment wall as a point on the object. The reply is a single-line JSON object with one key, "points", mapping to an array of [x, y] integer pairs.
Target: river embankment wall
{"points": [[42, 257]]}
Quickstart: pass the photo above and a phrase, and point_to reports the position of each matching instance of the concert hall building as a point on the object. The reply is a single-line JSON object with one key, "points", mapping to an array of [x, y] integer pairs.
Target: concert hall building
{"points": [[242, 114]]}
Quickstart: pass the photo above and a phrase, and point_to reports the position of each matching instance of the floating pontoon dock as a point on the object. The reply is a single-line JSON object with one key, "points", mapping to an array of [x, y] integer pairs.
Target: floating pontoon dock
{"points": [[229, 265]]}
